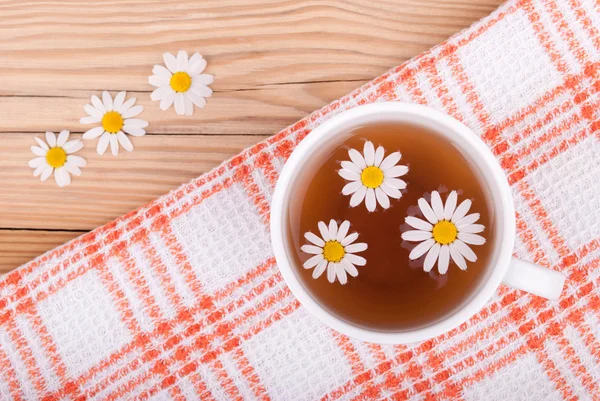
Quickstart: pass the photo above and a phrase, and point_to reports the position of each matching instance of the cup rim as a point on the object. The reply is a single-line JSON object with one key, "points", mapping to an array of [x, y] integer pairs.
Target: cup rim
{"points": [[505, 219]]}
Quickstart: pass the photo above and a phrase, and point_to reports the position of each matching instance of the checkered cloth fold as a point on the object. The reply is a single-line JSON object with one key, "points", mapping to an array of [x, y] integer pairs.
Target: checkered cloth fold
{"points": [[182, 298]]}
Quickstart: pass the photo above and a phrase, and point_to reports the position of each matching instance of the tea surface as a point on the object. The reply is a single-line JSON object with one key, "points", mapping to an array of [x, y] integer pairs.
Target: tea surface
{"points": [[391, 292]]}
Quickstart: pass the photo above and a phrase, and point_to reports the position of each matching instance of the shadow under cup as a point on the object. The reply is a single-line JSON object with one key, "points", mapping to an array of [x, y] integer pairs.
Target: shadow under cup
{"points": [[391, 295]]}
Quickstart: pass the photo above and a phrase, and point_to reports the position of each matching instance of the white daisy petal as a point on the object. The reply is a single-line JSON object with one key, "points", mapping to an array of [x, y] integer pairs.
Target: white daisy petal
{"points": [[314, 239], [62, 177], [351, 187], [346, 165], [107, 100], [313, 261], [168, 100], [196, 99], [395, 171], [349, 267], [73, 146], [314, 250], [340, 272], [93, 133], [382, 198], [135, 123], [472, 239], [42, 144], [324, 230], [370, 200], [39, 170], [355, 259], [98, 104], [343, 230], [390, 191], [416, 235], [417, 223], [358, 196], [450, 205], [444, 259], [320, 269], [357, 247], [76, 160], [189, 105], [103, 143], [196, 68], [465, 250], [179, 104], [420, 249], [467, 220], [472, 228], [457, 257], [195, 58], [94, 112], [349, 239], [38, 151], [203, 79], [349, 175], [160, 92], [437, 205], [390, 161], [427, 211], [62, 138], [395, 183], [333, 229], [89, 120], [46, 173], [357, 159], [182, 60], [124, 141], [114, 145], [118, 102], [38, 161], [132, 112], [127, 105], [201, 90], [51, 139], [134, 131], [378, 156], [72, 168], [159, 82], [369, 153], [170, 62], [461, 210], [161, 71], [331, 272], [431, 257]]}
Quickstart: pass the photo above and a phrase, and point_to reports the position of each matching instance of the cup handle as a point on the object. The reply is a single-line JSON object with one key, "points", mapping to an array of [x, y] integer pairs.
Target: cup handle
{"points": [[535, 279]]}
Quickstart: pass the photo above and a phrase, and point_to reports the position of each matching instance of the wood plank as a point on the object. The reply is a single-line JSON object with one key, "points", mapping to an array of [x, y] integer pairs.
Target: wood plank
{"points": [[20, 246], [263, 111], [110, 186]]}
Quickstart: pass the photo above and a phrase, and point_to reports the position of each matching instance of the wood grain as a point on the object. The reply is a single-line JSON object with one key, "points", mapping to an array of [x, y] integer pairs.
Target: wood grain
{"points": [[274, 61]]}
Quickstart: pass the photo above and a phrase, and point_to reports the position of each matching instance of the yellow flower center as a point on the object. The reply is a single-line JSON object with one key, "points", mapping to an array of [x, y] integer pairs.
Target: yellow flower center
{"points": [[56, 157], [372, 177], [112, 122], [444, 232], [181, 81], [333, 251]]}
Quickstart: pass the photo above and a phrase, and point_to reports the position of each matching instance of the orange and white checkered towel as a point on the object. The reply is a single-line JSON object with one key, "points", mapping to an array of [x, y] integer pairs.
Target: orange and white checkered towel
{"points": [[182, 298]]}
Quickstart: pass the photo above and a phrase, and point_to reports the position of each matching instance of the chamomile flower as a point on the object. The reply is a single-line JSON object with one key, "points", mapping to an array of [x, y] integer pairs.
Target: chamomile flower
{"points": [[56, 155], [334, 251], [115, 119], [446, 234], [181, 83], [373, 178]]}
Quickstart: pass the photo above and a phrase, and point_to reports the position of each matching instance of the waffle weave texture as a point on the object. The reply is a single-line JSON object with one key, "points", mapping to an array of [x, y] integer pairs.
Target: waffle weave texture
{"points": [[182, 299]]}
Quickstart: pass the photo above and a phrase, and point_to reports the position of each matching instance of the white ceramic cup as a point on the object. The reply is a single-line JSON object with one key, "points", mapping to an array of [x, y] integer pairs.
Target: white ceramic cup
{"points": [[503, 267]]}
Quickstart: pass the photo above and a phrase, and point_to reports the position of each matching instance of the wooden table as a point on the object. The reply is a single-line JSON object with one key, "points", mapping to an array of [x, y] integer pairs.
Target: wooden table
{"points": [[274, 61]]}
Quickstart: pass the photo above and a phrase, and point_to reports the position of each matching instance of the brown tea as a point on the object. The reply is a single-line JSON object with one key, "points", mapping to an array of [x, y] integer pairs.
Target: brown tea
{"points": [[390, 292]]}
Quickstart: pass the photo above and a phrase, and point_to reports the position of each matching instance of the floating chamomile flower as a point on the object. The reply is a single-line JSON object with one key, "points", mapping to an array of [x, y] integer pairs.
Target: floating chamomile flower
{"points": [[334, 251], [373, 178], [56, 156], [181, 82], [115, 119], [445, 234]]}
